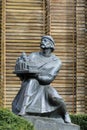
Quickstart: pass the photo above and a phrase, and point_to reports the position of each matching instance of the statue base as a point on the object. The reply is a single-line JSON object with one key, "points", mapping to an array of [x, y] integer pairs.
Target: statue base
{"points": [[44, 123]]}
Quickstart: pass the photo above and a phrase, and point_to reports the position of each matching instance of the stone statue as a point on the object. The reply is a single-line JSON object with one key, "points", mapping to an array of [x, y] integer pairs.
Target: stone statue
{"points": [[37, 71]]}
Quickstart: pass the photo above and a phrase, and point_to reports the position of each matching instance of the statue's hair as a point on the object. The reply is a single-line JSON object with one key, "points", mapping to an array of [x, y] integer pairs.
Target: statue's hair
{"points": [[51, 40], [48, 37]]}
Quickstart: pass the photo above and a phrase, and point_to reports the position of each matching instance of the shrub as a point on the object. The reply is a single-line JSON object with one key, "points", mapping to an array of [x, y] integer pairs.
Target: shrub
{"points": [[80, 119], [10, 121]]}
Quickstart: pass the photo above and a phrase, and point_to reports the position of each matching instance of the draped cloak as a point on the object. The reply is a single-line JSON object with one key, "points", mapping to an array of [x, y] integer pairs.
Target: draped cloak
{"points": [[38, 90]]}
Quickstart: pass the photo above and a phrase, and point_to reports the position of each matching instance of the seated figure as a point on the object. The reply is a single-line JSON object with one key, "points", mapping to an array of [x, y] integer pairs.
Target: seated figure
{"points": [[36, 96]]}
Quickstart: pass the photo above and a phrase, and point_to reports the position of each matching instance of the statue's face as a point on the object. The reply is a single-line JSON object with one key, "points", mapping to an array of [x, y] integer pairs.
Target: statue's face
{"points": [[46, 52], [46, 47], [45, 43]]}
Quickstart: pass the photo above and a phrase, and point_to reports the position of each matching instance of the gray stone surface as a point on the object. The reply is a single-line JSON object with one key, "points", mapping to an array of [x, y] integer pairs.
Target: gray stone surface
{"points": [[44, 123]]}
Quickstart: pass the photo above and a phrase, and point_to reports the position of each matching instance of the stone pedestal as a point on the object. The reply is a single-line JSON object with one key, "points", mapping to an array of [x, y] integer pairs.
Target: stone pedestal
{"points": [[44, 123]]}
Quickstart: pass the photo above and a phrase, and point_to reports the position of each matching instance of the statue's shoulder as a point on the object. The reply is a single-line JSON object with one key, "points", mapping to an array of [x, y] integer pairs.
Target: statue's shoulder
{"points": [[56, 59], [33, 55]]}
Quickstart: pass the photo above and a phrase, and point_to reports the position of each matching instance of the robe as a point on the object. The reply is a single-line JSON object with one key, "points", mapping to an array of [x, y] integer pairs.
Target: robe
{"points": [[37, 89]]}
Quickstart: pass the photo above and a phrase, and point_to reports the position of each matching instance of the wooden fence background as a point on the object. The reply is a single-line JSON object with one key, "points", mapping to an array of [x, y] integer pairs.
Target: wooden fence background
{"points": [[23, 22]]}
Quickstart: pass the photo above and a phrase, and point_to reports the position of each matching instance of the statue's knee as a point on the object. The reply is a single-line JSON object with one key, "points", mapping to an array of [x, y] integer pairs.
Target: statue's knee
{"points": [[33, 81], [58, 101]]}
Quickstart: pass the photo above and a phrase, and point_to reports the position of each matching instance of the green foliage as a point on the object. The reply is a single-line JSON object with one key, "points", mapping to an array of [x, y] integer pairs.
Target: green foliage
{"points": [[10, 121], [80, 119]]}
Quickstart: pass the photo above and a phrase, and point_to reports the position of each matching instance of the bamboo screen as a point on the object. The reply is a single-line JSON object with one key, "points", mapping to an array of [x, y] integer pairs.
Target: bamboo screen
{"points": [[62, 28], [23, 29], [66, 23], [23, 24], [67, 26]]}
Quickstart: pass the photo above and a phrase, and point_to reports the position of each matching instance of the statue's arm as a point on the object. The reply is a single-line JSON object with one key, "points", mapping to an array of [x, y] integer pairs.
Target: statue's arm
{"points": [[21, 76], [49, 75], [45, 79]]}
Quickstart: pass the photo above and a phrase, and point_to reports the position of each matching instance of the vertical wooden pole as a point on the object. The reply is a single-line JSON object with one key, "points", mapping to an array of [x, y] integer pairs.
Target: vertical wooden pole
{"points": [[85, 56], [3, 52], [48, 17], [44, 13], [74, 58]]}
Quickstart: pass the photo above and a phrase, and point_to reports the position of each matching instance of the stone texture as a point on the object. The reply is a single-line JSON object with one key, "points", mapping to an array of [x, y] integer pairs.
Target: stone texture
{"points": [[44, 123]]}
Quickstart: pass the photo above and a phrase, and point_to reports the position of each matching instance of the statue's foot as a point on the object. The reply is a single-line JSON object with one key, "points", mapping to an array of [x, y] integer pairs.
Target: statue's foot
{"points": [[21, 113], [67, 118]]}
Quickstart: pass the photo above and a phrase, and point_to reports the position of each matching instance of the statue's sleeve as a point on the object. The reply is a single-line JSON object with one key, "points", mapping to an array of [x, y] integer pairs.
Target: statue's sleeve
{"points": [[49, 72]]}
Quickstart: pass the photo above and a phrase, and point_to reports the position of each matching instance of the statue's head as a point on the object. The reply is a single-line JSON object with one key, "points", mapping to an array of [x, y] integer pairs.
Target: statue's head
{"points": [[47, 42]]}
